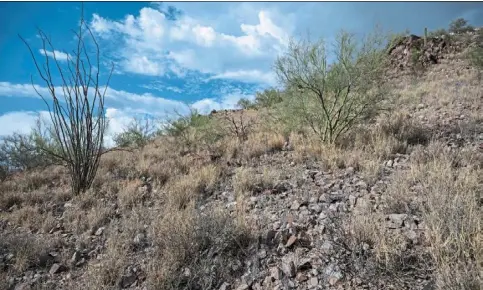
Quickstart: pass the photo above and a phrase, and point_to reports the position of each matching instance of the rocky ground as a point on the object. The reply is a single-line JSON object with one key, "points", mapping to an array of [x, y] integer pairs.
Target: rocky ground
{"points": [[314, 220]]}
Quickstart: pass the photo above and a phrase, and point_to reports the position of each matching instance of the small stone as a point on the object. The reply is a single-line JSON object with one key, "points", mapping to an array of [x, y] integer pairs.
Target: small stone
{"points": [[276, 225], [390, 163], [53, 254], [334, 207], [412, 235], [275, 273], [99, 231], [288, 269], [243, 286], [361, 184], [313, 282], [139, 239], [262, 254], [334, 278], [322, 216], [397, 220], [301, 277], [295, 205], [224, 286], [248, 279], [350, 170], [352, 200], [270, 237], [9, 257], [127, 280], [326, 247], [317, 208], [76, 257], [57, 268], [291, 241]]}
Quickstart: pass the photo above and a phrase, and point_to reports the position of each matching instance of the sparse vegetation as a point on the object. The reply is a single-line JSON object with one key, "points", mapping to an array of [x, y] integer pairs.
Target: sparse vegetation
{"points": [[391, 199]]}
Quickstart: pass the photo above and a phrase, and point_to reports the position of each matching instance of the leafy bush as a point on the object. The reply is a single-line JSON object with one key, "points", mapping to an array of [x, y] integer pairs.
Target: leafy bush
{"points": [[28, 151], [460, 25], [265, 99], [194, 131], [330, 99], [246, 104], [268, 98], [136, 134], [476, 53]]}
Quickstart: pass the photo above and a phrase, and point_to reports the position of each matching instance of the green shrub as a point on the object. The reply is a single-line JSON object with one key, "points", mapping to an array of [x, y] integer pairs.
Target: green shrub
{"points": [[460, 25], [246, 104], [330, 99], [194, 131], [28, 151], [475, 54], [137, 134]]}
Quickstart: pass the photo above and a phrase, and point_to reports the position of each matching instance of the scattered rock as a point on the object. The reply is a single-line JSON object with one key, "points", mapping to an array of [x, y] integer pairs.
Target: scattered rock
{"points": [[275, 273], [225, 286], [396, 220], [288, 268], [57, 268], [127, 280], [99, 231], [301, 277], [291, 241], [76, 257], [313, 282]]}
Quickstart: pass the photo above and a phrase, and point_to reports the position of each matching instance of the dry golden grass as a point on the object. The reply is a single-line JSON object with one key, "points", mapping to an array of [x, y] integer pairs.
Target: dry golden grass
{"points": [[186, 241], [453, 215], [249, 181], [130, 194], [183, 189], [29, 250], [446, 196]]}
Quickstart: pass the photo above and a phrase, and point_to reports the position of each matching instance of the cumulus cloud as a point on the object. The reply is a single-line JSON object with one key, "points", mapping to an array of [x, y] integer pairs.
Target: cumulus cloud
{"points": [[19, 122], [150, 44]]}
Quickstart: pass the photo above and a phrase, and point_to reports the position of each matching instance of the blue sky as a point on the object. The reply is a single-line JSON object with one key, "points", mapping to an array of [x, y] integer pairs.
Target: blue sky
{"points": [[206, 54]]}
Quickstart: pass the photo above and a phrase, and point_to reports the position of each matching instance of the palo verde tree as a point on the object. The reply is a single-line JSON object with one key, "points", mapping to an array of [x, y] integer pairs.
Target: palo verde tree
{"points": [[331, 97], [76, 105]]}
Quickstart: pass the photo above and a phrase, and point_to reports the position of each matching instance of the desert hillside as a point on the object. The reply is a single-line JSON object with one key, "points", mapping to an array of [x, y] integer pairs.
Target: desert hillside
{"points": [[249, 200]]}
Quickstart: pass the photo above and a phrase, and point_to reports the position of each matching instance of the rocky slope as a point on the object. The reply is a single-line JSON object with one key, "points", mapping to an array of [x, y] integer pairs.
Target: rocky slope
{"points": [[303, 212]]}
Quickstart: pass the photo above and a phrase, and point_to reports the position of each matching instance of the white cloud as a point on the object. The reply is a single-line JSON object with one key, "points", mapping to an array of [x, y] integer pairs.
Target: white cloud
{"points": [[149, 44], [19, 122], [8, 89], [251, 76], [143, 65], [59, 55]]}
